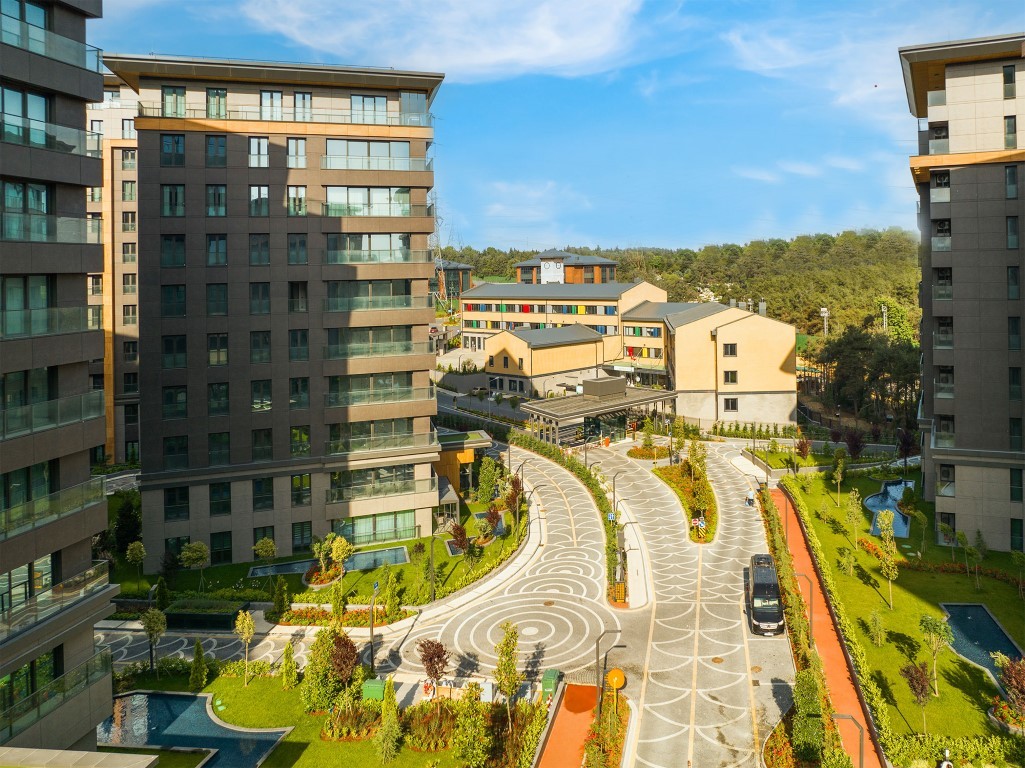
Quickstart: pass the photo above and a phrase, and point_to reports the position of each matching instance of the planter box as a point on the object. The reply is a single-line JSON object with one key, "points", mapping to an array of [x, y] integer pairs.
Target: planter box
{"points": [[180, 617]]}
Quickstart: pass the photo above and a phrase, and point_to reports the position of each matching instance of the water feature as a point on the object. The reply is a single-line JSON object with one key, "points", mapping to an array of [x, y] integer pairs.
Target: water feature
{"points": [[375, 558], [292, 566], [977, 634], [887, 498]]}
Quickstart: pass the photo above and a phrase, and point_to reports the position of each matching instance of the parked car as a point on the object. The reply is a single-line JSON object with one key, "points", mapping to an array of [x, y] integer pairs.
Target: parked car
{"points": [[764, 607]]}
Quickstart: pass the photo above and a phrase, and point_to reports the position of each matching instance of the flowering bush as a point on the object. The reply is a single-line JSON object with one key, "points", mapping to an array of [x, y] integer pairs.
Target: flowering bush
{"points": [[315, 616], [315, 576], [655, 452], [778, 751], [1002, 711]]}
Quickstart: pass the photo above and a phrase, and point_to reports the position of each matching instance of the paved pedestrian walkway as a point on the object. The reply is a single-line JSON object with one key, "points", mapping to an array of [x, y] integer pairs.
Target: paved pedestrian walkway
{"points": [[565, 746], [842, 689]]}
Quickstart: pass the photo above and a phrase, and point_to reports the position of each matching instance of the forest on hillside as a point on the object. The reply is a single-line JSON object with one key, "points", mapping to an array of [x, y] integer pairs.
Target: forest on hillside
{"points": [[851, 273]]}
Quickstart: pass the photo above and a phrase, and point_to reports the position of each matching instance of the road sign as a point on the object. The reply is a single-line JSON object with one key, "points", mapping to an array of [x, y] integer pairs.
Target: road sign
{"points": [[375, 586], [615, 678], [612, 517]]}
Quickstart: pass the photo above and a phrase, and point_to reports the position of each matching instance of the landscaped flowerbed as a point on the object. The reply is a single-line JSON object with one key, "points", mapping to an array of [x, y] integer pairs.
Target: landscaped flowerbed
{"points": [[203, 614], [695, 495], [649, 454], [782, 459], [316, 577], [357, 617]]}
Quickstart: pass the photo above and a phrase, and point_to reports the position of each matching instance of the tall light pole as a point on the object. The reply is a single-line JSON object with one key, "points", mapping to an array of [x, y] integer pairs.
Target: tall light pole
{"points": [[597, 664], [373, 599], [592, 464], [861, 733], [614, 487]]}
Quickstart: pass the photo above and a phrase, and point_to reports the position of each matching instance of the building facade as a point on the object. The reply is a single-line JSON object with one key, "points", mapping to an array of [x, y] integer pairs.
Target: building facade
{"points": [[283, 224], [51, 417], [563, 267], [969, 97]]}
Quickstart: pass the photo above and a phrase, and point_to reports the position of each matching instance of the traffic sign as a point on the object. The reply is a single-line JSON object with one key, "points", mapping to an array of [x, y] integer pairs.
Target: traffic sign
{"points": [[375, 586], [615, 678], [612, 517]]}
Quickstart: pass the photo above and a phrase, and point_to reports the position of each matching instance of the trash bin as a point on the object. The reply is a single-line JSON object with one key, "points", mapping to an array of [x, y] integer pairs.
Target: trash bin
{"points": [[549, 682], [373, 689]]}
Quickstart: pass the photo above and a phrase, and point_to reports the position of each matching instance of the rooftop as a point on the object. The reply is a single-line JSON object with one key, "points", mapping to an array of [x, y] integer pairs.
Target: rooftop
{"points": [[569, 259], [654, 311], [578, 406], [446, 264], [557, 337], [528, 291], [694, 313]]}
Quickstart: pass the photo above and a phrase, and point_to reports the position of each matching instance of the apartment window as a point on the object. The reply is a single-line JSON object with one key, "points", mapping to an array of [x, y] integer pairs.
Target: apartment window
{"points": [[128, 159], [259, 200], [220, 547], [176, 503], [301, 496], [128, 128], [298, 344], [1014, 431], [95, 194], [1016, 484], [1012, 231], [217, 399], [299, 393], [369, 109], [176, 544], [175, 402], [505, 362], [96, 382], [270, 105], [216, 200], [297, 153], [303, 107], [172, 301], [129, 284], [491, 361], [263, 493], [132, 413], [218, 448], [259, 347], [297, 297], [220, 499], [1014, 334], [130, 351], [296, 201], [259, 149], [261, 395], [217, 348], [259, 249], [216, 151], [128, 191], [216, 250], [1009, 81], [172, 250], [729, 350], [172, 149], [1011, 182], [520, 363], [729, 377], [96, 285], [1010, 132], [128, 221], [217, 298], [129, 253], [259, 298], [130, 314], [1014, 384], [261, 532], [173, 352], [217, 102], [263, 444], [172, 200], [1016, 534], [299, 440], [173, 100], [1013, 283], [302, 536], [297, 252], [730, 404], [176, 452], [130, 383]]}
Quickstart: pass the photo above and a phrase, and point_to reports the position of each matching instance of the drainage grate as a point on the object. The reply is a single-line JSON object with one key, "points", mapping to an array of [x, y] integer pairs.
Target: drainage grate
{"points": [[549, 603], [755, 683]]}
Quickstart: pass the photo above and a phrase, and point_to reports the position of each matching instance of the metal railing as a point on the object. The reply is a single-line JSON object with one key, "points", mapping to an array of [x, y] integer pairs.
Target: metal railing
{"points": [[376, 209], [371, 396], [47, 228], [939, 146], [34, 707], [49, 44], [939, 195], [45, 604], [378, 537], [941, 242], [350, 163], [381, 443], [942, 292], [37, 417], [942, 340], [943, 389], [377, 349], [943, 439], [288, 115], [357, 303], [27, 323], [44, 135], [46, 509], [945, 488], [393, 488], [937, 98], [397, 256]]}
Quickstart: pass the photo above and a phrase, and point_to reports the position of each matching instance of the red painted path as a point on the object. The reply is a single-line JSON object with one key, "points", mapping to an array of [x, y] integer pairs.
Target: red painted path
{"points": [[565, 747]]}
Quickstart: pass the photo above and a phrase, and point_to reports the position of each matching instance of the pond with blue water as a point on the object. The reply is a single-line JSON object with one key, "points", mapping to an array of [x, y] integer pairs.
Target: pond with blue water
{"points": [[977, 634], [361, 561], [887, 499]]}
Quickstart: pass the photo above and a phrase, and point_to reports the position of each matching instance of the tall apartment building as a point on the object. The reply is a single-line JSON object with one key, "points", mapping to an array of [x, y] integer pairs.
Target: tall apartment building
{"points": [[969, 97], [283, 266], [55, 686]]}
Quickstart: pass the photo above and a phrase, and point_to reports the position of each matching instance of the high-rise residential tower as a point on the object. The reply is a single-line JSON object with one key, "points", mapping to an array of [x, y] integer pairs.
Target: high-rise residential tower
{"points": [[969, 97], [54, 685]]}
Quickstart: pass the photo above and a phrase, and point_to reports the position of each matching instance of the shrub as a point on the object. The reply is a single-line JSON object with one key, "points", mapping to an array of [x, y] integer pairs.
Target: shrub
{"points": [[320, 686], [289, 669], [352, 719], [197, 674], [237, 668], [162, 596], [281, 601], [429, 725], [389, 735], [807, 728]]}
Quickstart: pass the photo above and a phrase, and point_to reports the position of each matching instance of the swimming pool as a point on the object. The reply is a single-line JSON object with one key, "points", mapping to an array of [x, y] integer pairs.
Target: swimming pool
{"points": [[183, 720], [293, 566], [887, 498], [375, 558], [977, 634]]}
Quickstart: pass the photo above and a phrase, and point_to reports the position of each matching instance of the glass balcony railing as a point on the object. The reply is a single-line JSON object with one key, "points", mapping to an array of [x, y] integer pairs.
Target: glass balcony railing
{"points": [[49, 44], [939, 146], [943, 389], [301, 115], [375, 396], [349, 163], [937, 98], [376, 209], [943, 439], [357, 303], [377, 349], [378, 536], [397, 256], [34, 707], [44, 228], [373, 490], [176, 461], [44, 510], [45, 604], [43, 135], [942, 292], [941, 243], [381, 443], [943, 340], [27, 323], [37, 417], [939, 195], [945, 488]]}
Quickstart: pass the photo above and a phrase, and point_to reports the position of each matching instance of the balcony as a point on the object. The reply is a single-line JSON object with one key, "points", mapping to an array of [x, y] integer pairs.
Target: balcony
{"points": [[378, 349], [49, 44], [939, 146], [347, 163], [377, 396], [937, 98], [359, 303], [399, 256], [280, 114], [43, 135], [942, 292], [45, 228], [945, 488], [377, 209], [943, 340], [57, 598], [940, 243], [37, 417], [939, 195], [943, 439], [30, 323], [33, 708], [381, 443], [46, 509], [943, 389], [376, 490]]}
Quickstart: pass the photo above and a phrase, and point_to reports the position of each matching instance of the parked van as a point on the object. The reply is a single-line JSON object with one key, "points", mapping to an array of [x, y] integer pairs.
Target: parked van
{"points": [[764, 608]]}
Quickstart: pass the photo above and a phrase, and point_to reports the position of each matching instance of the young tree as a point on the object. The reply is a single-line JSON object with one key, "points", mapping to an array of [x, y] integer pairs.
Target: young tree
{"points": [[487, 479], [888, 567], [128, 521], [162, 596], [853, 514], [435, 657], [980, 544], [321, 549], [974, 559], [390, 597], [917, 677], [696, 456], [289, 669], [282, 602], [839, 467], [949, 536], [648, 434], [197, 675], [803, 447], [1018, 558], [907, 442], [459, 537], [266, 550], [195, 554], [471, 740], [344, 657], [507, 676], [845, 560], [341, 550], [338, 601], [320, 685], [135, 555], [876, 629], [389, 734], [962, 541], [245, 628], [885, 522], [169, 566], [855, 440], [154, 624], [936, 635], [1012, 679]]}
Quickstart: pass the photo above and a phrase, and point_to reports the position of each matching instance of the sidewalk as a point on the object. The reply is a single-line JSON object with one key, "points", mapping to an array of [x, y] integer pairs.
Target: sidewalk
{"points": [[565, 745], [842, 690]]}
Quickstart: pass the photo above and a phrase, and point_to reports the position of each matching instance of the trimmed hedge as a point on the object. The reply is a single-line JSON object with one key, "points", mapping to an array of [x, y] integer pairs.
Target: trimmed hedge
{"points": [[690, 493]]}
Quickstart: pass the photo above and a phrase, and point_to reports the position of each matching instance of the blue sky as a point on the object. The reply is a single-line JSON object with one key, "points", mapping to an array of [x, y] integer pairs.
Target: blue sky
{"points": [[621, 122]]}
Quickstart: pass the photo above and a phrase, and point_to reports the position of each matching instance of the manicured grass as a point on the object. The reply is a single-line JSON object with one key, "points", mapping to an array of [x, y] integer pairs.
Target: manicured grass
{"points": [[779, 459], [168, 758], [965, 690]]}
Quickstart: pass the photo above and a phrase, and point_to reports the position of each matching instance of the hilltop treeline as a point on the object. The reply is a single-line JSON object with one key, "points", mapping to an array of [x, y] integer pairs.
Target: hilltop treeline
{"points": [[850, 273]]}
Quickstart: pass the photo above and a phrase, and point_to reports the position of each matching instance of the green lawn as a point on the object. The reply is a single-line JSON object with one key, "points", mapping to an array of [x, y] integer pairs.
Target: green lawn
{"points": [[168, 758], [778, 459], [965, 690]]}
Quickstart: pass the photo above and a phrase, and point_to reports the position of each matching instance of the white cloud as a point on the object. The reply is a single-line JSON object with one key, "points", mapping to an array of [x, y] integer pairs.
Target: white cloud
{"points": [[756, 174], [844, 163], [530, 214], [799, 168], [469, 41]]}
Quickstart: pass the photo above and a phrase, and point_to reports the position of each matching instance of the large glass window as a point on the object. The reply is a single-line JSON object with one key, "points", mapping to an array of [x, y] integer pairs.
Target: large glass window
{"points": [[216, 250], [176, 503], [22, 207], [296, 201], [299, 440], [302, 536], [270, 105], [173, 100], [176, 452], [369, 109], [297, 153], [216, 152], [263, 493], [172, 250], [367, 529], [172, 149], [173, 352], [1011, 182], [259, 298], [261, 395], [219, 448], [303, 106], [299, 393], [172, 301], [217, 298], [259, 249], [175, 402], [263, 444], [217, 399], [259, 200], [220, 499], [363, 155], [297, 250], [259, 152], [216, 200], [217, 348], [220, 547], [217, 102], [172, 200], [1016, 484], [1012, 231], [301, 490]]}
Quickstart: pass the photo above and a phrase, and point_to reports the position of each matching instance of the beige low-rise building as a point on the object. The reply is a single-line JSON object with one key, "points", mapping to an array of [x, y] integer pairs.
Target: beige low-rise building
{"points": [[537, 362]]}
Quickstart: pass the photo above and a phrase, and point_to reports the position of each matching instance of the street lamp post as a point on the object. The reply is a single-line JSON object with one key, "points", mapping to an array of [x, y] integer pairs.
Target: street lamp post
{"points": [[614, 487], [597, 664], [811, 608], [373, 599], [592, 464], [861, 736]]}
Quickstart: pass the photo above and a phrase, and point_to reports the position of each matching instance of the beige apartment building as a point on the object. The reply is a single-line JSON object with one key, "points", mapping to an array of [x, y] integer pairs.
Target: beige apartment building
{"points": [[562, 267], [531, 363], [55, 684], [282, 231], [969, 98]]}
